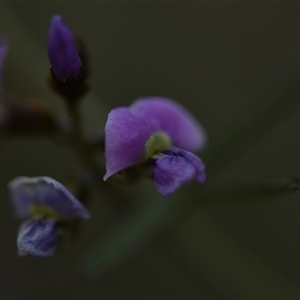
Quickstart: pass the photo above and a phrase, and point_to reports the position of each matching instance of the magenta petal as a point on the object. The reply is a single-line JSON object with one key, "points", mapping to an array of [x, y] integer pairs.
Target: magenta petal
{"points": [[44, 191], [171, 172], [125, 140], [165, 115]]}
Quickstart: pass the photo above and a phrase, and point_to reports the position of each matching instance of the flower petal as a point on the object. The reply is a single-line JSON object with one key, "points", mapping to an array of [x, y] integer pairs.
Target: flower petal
{"points": [[3, 52], [171, 172], [125, 140], [197, 164], [27, 192], [166, 115], [37, 237], [62, 51]]}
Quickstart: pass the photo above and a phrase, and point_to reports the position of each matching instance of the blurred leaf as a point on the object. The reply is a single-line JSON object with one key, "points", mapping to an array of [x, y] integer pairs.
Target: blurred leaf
{"points": [[125, 237]]}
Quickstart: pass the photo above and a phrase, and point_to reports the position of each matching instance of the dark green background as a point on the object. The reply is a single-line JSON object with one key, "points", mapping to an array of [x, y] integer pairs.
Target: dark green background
{"points": [[236, 67]]}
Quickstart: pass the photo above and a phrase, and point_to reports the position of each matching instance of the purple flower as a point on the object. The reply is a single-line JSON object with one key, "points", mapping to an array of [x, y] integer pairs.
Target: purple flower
{"points": [[45, 204], [155, 130], [64, 57], [3, 53]]}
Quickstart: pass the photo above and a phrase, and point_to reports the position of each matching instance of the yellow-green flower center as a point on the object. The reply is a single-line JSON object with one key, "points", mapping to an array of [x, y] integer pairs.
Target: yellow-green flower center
{"points": [[158, 142], [43, 211]]}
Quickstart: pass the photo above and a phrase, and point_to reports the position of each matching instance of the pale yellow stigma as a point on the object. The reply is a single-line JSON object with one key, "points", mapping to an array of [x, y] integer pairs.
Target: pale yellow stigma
{"points": [[158, 142], [42, 211]]}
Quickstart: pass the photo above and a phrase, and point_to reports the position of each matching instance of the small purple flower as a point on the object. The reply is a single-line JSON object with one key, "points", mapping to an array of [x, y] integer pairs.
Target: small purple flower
{"points": [[160, 131], [63, 54], [3, 53], [44, 203]]}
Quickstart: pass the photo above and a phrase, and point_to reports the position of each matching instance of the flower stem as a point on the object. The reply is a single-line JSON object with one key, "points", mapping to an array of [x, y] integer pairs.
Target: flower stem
{"points": [[78, 139]]}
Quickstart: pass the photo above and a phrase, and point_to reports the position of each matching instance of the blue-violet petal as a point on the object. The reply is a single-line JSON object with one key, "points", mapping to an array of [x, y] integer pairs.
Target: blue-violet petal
{"points": [[27, 192], [37, 237], [175, 168], [171, 172], [196, 163]]}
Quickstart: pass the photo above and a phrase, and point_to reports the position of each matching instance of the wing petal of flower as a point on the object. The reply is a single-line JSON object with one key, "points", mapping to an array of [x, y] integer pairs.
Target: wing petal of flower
{"points": [[197, 164], [171, 172]]}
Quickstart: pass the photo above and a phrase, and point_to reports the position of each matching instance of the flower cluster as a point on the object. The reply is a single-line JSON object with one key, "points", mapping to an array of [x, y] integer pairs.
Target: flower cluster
{"points": [[154, 137]]}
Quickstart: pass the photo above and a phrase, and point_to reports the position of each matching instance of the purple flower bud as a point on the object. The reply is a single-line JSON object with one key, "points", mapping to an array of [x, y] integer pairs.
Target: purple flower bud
{"points": [[62, 51], [37, 237]]}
